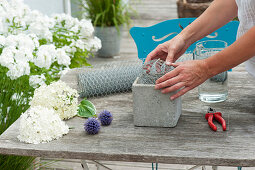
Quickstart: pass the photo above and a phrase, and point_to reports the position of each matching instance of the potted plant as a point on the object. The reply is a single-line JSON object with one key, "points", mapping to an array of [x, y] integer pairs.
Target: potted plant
{"points": [[108, 18]]}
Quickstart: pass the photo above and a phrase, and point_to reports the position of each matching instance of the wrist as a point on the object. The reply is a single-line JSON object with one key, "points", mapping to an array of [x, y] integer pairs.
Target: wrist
{"points": [[210, 69], [187, 36]]}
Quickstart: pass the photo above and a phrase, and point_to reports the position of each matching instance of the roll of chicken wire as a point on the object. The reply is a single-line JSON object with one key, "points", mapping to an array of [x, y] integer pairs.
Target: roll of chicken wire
{"points": [[105, 79]]}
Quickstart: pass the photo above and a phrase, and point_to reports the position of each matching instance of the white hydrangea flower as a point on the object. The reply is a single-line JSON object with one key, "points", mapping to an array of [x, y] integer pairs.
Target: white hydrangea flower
{"points": [[59, 96], [40, 125], [37, 80], [45, 56]]}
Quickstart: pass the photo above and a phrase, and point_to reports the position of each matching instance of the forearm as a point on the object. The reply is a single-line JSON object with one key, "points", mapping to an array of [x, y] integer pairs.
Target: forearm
{"points": [[238, 52], [219, 13]]}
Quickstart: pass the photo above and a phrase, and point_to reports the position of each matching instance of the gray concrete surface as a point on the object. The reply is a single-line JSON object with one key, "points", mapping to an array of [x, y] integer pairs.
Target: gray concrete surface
{"points": [[152, 108]]}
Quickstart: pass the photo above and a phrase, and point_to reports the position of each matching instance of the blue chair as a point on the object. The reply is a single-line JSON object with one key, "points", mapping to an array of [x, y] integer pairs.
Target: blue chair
{"points": [[148, 38]]}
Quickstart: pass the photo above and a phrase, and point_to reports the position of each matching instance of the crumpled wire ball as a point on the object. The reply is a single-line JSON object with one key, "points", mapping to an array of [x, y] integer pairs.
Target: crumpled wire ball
{"points": [[153, 70], [92, 126], [105, 117]]}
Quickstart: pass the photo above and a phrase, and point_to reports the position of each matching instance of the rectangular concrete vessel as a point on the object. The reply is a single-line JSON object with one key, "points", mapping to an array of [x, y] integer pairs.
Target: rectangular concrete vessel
{"points": [[152, 108]]}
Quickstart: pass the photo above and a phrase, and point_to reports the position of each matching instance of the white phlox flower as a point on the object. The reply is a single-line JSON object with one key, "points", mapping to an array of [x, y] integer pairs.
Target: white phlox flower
{"points": [[62, 57], [86, 28], [37, 80], [63, 72], [6, 58], [41, 27], [26, 39], [18, 69], [45, 56], [95, 44], [2, 40]]}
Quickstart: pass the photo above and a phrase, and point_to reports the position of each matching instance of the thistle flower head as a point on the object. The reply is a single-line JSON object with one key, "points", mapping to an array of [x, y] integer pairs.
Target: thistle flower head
{"points": [[105, 117], [92, 126]]}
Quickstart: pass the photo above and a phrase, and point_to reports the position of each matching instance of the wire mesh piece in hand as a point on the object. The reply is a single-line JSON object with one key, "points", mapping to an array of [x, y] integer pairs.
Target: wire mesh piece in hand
{"points": [[108, 79], [153, 70]]}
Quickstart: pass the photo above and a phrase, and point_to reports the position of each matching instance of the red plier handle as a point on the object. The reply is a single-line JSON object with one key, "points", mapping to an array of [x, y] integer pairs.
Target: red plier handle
{"points": [[217, 116]]}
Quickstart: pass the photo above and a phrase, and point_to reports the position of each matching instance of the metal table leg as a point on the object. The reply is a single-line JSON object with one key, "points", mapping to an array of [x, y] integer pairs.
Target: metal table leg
{"points": [[214, 167], [84, 165]]}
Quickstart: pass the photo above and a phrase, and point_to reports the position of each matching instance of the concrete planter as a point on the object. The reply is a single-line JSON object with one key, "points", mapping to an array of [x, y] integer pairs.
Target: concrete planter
{"points": [[152, 108], [111, 39]]}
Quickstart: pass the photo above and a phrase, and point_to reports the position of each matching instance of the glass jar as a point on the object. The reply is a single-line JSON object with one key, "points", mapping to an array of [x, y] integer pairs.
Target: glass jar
{"points": [[215, 89]]}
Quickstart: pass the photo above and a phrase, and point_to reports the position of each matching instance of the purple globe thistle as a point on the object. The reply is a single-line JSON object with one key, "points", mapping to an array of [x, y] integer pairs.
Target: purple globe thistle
{"points": [[92, 126], [105, 117]]}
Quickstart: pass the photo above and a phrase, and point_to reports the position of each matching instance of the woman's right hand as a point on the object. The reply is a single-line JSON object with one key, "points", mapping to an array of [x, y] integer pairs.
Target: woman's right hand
{"points": [[170, 50]]}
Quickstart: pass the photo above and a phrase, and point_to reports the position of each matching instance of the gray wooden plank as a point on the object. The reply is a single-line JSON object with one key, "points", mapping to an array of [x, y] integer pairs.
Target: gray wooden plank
{"points": [[191, 142]]}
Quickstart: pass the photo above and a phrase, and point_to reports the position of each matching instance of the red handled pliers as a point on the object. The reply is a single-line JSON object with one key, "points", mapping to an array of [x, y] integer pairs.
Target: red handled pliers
{"points": [[212, 114]]}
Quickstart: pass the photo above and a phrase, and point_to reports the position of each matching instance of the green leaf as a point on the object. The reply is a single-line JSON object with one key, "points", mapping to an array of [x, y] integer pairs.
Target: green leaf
{"points": [[86, 109]]}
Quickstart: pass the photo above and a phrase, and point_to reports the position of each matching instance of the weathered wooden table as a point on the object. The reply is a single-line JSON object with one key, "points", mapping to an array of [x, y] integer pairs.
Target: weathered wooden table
{"points": [[191, 142]]}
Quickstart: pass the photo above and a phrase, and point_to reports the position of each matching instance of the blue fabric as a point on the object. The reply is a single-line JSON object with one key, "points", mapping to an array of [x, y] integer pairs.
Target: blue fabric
{"points": [[148, 38]]}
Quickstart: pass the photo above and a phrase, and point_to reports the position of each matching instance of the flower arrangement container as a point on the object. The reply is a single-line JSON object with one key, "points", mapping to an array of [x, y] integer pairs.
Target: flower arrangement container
{"points": [[152, 108]]}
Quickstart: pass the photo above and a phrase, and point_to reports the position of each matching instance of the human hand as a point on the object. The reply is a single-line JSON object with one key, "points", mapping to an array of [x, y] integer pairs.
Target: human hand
{"points": [[170, 50], [186, 76]]}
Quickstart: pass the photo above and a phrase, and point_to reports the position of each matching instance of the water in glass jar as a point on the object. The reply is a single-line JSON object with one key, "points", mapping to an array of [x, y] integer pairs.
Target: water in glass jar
{"points": [[214, 89]]}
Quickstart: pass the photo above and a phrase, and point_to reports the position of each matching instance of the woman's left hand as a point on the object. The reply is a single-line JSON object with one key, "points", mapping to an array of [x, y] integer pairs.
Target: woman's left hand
{"points": [[186, 76]]}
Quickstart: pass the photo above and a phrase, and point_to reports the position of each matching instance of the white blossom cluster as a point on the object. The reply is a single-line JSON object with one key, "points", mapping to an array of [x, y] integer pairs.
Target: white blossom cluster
{"points": [[40, 125], [29, 39], [57, 96], [17, 53]]}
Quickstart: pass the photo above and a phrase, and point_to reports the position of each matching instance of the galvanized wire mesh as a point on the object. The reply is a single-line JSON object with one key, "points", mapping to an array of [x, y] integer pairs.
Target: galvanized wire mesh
{"points": [[118, 77], [107, 79], [153, 70]]}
